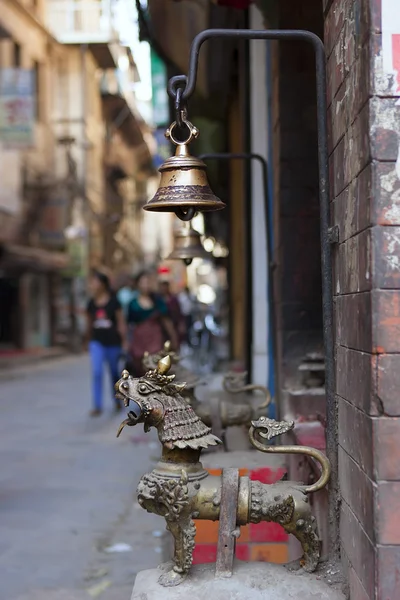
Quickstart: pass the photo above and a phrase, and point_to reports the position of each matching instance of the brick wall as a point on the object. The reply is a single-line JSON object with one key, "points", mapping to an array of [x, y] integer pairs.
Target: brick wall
{"points": [[364, 143]]}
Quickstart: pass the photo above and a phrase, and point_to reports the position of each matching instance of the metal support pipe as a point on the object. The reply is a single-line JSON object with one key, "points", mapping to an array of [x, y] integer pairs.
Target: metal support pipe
{"points": [[189, 83], [248, 157]]}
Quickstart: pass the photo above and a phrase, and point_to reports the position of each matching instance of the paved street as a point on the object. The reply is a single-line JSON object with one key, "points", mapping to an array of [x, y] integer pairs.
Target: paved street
{"points": [[67, 490]]}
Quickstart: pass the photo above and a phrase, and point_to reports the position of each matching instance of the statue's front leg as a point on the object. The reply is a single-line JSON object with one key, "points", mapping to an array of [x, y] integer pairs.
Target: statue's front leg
{"points": [[171, 499], [183, 531], [305, 530]]}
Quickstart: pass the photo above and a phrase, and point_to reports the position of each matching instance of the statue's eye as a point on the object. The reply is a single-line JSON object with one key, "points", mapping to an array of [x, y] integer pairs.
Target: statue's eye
{"points": [[143, 388]]}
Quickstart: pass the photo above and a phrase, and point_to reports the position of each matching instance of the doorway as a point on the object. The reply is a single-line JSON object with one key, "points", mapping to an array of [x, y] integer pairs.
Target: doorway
{"points": [[9, 296]]}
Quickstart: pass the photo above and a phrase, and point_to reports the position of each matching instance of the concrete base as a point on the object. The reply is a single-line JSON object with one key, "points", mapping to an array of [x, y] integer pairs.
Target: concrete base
{"points": [[250, 581]]}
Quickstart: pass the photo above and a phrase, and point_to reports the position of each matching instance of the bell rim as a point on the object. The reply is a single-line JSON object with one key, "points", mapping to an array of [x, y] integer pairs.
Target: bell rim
{"points": [[200, 206], [205, 206]]}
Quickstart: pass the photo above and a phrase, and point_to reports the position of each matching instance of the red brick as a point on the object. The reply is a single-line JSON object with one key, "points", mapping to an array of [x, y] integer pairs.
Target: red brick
{"points": [[357, 591], [337, 169], [385, 188], [357, 491], [242, 551], [355, 435], [385, 128], [267, 474], [354, 326], [334, 22], [340, 121], [388, 383], [267, 532], [375, 7], [335, 68], [386, 315], [358, 548], [358, 84], [204, 553], [357, 388], [388, 584], [352, 206], [353, 264], [386, 257], [387, 513], [386, 448]]}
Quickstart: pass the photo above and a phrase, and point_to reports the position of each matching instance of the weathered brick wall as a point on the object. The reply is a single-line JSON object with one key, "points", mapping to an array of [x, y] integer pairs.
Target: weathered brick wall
{"points": [[364, 145]]}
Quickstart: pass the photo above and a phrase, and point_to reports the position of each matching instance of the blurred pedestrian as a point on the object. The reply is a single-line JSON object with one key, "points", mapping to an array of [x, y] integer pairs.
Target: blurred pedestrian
{"points": [[186, 301], [106, 333], [174, 309], [148, 316], [126, 293]]}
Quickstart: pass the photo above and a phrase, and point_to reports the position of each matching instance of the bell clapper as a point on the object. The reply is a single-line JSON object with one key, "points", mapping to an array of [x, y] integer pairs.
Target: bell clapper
{"points": [[185, 214]]}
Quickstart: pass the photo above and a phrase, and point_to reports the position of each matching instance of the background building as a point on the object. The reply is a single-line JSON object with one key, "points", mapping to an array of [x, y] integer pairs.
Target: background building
{"points": [[76, 165]]}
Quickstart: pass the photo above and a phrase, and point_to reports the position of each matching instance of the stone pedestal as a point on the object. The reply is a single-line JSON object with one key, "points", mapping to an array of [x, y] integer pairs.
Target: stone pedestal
{"points": [[250, 581]]}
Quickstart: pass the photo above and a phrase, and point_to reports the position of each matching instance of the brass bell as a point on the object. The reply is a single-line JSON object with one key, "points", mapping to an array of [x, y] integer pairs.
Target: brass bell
{"points": [[187, 245], [184, 187]]}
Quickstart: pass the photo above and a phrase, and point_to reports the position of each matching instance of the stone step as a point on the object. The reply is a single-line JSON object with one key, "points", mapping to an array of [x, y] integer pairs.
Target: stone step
{"points": [[250, 581]]}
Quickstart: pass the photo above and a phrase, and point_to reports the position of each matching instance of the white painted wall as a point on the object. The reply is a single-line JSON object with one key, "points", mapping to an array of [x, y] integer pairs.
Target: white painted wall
{"points": [[259, 136]]}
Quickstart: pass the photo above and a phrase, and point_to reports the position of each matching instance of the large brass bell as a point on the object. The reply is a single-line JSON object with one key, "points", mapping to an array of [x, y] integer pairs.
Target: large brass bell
{"points": [[187, 245], [184, 187]]}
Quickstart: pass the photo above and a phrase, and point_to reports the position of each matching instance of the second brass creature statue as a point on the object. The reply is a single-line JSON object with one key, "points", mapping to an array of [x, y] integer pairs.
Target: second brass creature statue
{"points": [[235, 412], [180, 490]]}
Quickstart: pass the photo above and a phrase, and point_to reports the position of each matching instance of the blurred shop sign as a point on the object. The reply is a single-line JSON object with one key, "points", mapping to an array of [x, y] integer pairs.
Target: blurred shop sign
{"points": [[17, 107], [159, 91], [11, 181], [163, 150]]}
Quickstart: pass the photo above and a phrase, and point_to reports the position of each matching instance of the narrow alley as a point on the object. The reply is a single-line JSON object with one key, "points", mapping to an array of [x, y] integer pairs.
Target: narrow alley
{"points": [[67, 491]]}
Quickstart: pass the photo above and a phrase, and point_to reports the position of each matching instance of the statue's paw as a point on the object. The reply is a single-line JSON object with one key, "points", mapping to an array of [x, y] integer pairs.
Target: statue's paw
{"points": [[294, 565], [171, 578]]}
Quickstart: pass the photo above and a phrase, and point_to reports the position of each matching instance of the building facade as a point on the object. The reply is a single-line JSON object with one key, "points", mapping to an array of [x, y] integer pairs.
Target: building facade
{"points": [[75, 162]]}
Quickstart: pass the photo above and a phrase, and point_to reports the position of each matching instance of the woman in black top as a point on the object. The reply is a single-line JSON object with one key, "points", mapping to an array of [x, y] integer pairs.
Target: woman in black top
{"points": [[107, 334]]}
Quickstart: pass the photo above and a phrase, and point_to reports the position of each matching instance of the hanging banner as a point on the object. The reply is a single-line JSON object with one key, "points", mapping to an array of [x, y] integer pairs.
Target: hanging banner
{"points": [[17, 107], [163, 150], [159, 82]]}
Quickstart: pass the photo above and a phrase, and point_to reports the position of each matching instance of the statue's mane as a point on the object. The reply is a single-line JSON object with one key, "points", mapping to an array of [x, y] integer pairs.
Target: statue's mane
{"points": [[181, 427]]}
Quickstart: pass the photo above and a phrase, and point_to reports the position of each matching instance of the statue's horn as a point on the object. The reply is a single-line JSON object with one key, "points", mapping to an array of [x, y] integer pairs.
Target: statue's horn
{"points": [[164, 365], [167, 346], [120, 428], [125, 374]]}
